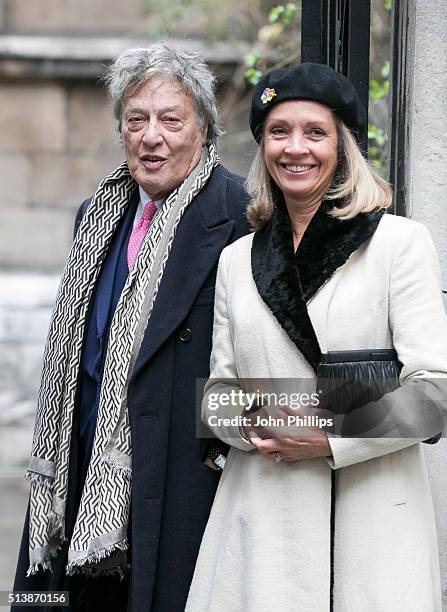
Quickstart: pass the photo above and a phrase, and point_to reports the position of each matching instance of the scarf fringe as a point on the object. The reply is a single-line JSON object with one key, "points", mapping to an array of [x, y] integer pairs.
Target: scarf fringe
{"points": [[56, 539], [94, 572], [39, 479], [34, 568], [78, 566], [57, 532], [57, 524]]}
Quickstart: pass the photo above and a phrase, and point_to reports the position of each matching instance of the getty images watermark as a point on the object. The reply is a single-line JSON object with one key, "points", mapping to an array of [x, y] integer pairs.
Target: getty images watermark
{"points": [[258, 403], [369, 407]]}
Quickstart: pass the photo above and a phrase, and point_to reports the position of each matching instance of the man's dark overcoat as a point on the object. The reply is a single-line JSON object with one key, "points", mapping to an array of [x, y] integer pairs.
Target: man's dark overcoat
{"points": [[172, 489]]}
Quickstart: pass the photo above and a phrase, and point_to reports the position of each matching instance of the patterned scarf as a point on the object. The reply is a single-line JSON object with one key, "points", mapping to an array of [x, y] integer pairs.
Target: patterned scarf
{"points": [[99, 541]]}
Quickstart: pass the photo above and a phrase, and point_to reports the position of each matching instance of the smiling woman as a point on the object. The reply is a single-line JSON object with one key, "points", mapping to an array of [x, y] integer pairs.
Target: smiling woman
{"points": [[305, 519]]}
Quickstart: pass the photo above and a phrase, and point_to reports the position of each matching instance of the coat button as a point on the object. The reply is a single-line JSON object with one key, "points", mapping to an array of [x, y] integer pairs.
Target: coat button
{"points": [[185, 335]]}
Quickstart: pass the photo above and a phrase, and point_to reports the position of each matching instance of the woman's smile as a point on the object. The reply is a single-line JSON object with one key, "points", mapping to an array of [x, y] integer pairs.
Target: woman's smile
{"points": [[297, 169]]}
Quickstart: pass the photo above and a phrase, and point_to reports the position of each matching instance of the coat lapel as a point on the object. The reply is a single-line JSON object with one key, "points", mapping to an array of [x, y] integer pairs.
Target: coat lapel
{"points": [[204, 231], [328, 243], [286, 281]]}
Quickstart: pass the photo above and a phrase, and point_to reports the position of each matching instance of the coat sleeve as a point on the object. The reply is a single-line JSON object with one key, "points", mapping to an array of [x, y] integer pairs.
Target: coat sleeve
{"points": [[218, 414], [417, 410], [79, 215]]}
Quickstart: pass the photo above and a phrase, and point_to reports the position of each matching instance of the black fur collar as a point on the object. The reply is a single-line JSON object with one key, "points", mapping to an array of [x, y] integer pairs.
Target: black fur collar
{"points": [[286, 280]]}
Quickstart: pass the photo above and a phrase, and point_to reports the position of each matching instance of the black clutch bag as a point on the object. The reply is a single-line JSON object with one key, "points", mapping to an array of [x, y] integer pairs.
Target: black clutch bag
{"points": [[348, 380]]}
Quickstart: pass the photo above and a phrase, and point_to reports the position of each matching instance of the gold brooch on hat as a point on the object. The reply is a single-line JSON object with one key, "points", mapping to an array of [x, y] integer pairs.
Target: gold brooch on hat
{"points": [[267, 95]]}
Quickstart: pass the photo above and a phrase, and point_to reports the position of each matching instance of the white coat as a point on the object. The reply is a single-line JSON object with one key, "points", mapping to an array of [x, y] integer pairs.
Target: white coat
{"points": [[267, 544]]}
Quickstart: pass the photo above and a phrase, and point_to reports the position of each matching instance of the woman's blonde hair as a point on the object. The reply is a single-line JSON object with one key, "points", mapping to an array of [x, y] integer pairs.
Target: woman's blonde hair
{"points": [[356, 185]]}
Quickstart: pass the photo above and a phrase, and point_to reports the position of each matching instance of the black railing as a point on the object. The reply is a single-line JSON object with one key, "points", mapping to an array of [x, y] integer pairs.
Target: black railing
{"points": [[336, 32], [397, 125]]}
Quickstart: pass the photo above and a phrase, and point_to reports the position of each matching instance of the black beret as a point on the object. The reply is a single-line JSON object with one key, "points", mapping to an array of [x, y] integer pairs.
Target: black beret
{"points": [[316, 82]]}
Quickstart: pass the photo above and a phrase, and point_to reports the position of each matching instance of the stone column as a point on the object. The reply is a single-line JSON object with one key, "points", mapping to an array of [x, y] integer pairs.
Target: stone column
{"points": [[426, 179]]}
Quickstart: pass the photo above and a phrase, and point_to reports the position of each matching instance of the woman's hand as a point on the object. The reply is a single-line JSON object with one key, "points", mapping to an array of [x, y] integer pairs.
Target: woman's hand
{"points": [[279, 441], [293, 449]]}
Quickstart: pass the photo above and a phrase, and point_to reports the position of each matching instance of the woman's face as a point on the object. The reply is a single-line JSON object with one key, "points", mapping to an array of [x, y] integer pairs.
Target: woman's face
{"points": [[300, 149]]}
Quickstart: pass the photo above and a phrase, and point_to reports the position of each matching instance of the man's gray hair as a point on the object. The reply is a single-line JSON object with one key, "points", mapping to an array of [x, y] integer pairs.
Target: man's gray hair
{"points": [[134, 67]]}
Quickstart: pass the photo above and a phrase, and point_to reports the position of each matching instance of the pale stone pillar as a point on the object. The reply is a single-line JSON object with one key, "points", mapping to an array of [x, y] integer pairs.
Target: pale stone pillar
{"points": [[426, 180]]}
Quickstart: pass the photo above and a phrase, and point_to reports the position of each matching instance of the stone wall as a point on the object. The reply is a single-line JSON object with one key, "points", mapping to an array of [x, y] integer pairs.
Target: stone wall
{"points": [[72, 16], [26, 301], [56, 141], [426, 172]]}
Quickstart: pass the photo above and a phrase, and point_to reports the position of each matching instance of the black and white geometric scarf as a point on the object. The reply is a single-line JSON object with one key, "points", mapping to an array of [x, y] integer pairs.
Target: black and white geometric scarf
{"points": [[99, 540]]}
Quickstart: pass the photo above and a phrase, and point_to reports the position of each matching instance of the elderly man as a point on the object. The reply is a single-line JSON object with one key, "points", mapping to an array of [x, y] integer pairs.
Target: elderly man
{"points": [[118, 478]]}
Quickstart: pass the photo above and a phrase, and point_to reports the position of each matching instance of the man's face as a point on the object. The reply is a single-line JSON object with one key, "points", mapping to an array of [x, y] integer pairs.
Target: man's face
{"points": [[161, 136]]}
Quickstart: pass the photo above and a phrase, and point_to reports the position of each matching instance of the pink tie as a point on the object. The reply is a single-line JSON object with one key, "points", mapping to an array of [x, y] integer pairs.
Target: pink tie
{"points": [[139, 232]]}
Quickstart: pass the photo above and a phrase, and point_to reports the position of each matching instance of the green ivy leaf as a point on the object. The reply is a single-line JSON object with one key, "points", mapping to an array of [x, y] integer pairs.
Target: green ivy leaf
{"points": [[378, 90], [377, 134], [253, 76], [385, 72], [275, 13], [252, 58], [283, 13], [291, 9]]}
